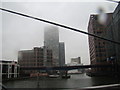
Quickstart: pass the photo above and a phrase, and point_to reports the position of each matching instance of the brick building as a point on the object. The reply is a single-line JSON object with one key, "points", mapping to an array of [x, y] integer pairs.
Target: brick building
{"points": [[97, 47], [34, 58]]}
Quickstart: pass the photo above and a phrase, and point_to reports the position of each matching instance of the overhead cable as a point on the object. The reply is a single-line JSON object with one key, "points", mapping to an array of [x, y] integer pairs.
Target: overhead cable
{"points": [[60, 25]]}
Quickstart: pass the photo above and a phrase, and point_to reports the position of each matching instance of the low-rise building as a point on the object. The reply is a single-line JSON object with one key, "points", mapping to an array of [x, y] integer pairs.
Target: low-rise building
{"points": [[37, 57], [9, 69], [75, 62]]}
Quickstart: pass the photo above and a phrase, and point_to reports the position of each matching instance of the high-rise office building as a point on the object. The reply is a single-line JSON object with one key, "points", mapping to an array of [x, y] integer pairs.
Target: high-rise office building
{"points": [[116, 31], [113, 33], [97, 47], [51, 41], [61, 54]]}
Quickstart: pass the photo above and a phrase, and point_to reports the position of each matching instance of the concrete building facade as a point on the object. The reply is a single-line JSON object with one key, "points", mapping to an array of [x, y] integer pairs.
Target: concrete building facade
{"points": [[9, 69], [116, 33], [113, 33], [76, 60]]}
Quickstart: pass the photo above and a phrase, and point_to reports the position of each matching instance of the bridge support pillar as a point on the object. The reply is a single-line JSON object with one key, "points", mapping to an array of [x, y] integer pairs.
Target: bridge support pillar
{"points": [[64, 74]]}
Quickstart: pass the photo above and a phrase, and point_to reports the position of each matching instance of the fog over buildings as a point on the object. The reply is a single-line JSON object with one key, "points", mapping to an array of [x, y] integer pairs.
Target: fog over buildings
{"points": [[20, 33], [51, 41]]}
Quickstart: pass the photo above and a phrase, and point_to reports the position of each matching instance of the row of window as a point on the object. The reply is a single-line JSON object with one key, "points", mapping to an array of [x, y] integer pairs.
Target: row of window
{"points": [[99, 46], [100, 55], [100, 50]]}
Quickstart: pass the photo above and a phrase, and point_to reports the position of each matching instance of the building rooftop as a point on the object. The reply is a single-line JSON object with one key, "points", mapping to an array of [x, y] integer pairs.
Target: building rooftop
{"points": [[7, 61]]}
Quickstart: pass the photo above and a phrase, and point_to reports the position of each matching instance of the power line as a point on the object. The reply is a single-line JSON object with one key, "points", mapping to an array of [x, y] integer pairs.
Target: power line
{"points": [[60, 25], [113, 1]]}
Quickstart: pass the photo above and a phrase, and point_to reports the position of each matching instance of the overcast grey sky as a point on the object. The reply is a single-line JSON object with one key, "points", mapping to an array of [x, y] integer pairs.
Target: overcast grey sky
{"points": [[20, 33]]}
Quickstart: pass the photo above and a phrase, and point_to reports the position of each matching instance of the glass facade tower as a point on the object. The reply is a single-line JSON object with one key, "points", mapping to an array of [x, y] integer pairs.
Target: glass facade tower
{"points": [[51, 41]]}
